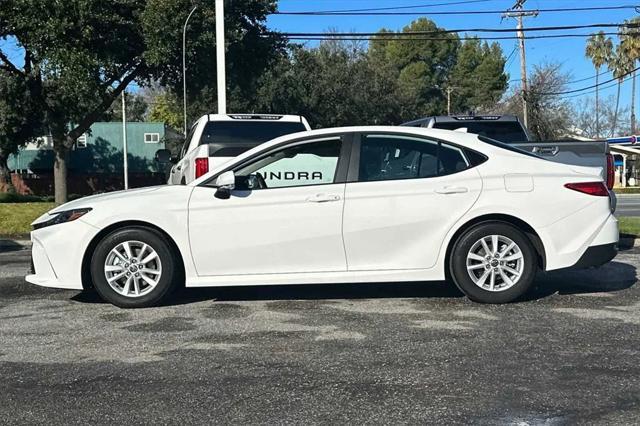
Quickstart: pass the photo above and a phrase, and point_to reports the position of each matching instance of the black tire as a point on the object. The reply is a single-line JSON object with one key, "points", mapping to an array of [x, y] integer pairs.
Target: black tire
{"points": [[170, 266], [461, 276]]}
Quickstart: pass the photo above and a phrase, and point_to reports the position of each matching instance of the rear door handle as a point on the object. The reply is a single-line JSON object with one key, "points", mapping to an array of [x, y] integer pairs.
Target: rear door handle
{"points": [[452, 190], [323, 198]]}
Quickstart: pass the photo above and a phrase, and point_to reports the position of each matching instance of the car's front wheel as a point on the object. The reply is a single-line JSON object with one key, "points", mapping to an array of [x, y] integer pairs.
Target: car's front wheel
{"points": [[493, 262], [134, 268]]}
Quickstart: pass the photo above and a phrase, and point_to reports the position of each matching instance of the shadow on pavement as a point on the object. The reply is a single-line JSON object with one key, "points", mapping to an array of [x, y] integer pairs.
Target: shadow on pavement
{"points": [[614, 276], [10, 245]]}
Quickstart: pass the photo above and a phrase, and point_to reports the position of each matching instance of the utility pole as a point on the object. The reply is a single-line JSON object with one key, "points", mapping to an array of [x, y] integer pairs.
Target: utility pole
{"points": [[125, 154], [517, 12], [220, 58]]}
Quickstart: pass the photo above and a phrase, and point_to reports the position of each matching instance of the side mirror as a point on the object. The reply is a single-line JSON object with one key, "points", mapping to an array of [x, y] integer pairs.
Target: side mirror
{"points": [[225, 184], [163, 156]]}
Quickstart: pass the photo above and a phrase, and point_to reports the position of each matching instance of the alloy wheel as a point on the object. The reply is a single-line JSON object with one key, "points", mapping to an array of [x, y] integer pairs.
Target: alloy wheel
{"points": [[495, 263], [133, 268]]}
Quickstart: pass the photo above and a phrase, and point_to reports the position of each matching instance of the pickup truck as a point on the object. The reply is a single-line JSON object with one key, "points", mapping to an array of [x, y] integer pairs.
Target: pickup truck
{"points": [[216, 138], [508, 129]]}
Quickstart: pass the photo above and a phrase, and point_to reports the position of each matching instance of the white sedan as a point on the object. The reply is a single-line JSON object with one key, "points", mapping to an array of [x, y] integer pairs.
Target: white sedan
{"points": [[342, 205]]}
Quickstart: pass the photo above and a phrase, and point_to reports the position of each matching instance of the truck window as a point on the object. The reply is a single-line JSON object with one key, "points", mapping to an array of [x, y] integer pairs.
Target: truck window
{"points": [[503, 131], [243, 131]]}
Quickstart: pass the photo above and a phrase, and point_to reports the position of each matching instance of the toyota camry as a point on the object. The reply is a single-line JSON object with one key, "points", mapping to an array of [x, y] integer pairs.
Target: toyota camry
{"points": [[342, 205]]}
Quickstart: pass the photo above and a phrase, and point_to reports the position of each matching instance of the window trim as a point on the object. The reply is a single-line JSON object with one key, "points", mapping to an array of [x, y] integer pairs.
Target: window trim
{"points": [[346, 141], [157, 134], [354, 165]]}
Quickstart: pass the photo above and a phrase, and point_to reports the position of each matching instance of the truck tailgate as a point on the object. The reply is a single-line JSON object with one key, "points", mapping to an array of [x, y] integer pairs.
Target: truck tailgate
{"points": [[591, 154]]}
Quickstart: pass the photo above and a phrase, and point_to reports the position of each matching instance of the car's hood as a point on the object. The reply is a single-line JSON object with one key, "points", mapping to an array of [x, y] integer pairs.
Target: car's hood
{"points": [[120, 201], [91, 200]]}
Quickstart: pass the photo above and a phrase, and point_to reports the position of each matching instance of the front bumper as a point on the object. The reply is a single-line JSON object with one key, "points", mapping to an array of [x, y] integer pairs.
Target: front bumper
{"points": [[57, 253]]}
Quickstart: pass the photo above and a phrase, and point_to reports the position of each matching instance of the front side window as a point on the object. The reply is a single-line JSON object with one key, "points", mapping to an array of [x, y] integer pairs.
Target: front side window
{"points": [[390, 157], [312, 163]]}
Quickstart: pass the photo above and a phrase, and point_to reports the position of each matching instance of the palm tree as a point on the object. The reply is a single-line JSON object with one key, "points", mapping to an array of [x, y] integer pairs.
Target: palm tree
{"points": [[621, 66], [631, 41], [599, 50]]}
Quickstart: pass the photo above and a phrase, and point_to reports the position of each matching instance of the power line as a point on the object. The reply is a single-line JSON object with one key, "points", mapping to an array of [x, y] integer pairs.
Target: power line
{"points": [[375, 9], [467, 30], [409, 37], [566, 92], [573, 81], [380, 12]]}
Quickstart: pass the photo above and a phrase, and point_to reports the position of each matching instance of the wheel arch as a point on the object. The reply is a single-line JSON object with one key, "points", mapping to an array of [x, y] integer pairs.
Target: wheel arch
{"points": [[523, 226], [86, 258]]}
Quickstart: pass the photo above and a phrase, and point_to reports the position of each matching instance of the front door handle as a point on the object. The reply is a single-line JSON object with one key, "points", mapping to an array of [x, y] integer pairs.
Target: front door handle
{"points": [[323, 198], [452, 190]]}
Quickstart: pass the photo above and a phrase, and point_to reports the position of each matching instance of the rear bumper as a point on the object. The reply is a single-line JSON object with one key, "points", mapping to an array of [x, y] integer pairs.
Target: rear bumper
{"points": [[597, 256]]}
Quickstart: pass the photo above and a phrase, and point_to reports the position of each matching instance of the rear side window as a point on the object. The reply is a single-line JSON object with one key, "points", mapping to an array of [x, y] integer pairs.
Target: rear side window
{"points": [[390, 157], [243, 131]]}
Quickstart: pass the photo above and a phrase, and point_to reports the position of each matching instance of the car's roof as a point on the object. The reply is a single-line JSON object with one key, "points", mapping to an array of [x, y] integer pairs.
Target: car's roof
{"points": [[467, 140], [256, 117]]}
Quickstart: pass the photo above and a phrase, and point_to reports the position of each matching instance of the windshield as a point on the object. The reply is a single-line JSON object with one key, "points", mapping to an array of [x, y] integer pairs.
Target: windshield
{"points": [[503, 131], [243, 131]]}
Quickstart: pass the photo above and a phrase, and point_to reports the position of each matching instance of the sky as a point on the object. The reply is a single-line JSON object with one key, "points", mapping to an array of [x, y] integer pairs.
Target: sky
{"points": [[569, 52]]}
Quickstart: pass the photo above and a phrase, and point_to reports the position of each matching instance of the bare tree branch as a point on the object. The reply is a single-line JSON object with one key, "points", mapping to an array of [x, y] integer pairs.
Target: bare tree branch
{"points": [[8, 65], [107, 100]]}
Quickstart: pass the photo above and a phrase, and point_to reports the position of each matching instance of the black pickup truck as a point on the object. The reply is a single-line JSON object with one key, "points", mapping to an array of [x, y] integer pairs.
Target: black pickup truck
{"points": [[509, 129]]}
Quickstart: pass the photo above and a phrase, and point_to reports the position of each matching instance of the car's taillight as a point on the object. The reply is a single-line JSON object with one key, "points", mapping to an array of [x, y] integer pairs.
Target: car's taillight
{"points": [[611, 171], [202, 166], [591, 188]]}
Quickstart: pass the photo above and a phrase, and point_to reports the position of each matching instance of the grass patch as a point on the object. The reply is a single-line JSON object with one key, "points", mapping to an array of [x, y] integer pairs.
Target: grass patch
{"points": [[629, 226], [16, 218], [629, 190]]}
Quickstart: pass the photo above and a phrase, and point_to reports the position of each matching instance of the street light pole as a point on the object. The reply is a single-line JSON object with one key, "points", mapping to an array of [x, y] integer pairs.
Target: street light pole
{"points": [[184, 68], [125, 153], [220, 58]]}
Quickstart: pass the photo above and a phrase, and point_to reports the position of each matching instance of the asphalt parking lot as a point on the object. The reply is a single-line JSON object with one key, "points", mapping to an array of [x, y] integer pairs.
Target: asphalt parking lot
{"points": [[393, 353]]}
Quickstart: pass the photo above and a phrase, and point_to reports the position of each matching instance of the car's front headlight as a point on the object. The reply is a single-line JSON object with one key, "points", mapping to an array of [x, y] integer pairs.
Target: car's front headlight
{"points": [[62, 217]]}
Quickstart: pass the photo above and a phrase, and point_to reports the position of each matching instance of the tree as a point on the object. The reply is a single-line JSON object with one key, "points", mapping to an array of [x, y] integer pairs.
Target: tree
{"points": [[599, 50], [585, 117], [135, 104], [166, 108], [621, 66], [334, 84], [84, 53], [20, 121], [631, 45], [421, 66], [252, 49], [79, 71], [478, 78], [550, 116]]}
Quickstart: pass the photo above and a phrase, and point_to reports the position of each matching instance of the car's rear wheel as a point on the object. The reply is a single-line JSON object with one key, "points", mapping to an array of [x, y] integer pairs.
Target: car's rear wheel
{"points": [[134, 268], [493, 262]]}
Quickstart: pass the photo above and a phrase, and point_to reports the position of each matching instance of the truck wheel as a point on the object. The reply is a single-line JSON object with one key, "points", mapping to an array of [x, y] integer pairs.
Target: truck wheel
{"points": [[493, 262]]}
